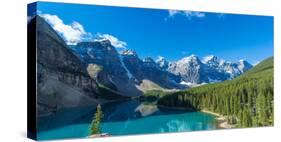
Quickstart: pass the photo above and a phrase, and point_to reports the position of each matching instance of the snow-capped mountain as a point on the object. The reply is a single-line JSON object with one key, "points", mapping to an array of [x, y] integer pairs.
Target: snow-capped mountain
{"points": [[162, 63], [148, 69], [212, 61], [113, 72], [129, 52], [192, 70], [128, 68], [232, 68]]}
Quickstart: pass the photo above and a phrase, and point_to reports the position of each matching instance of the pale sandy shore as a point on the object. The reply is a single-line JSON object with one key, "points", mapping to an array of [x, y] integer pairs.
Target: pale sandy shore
{"points": [[99, 135], [222, 122]]}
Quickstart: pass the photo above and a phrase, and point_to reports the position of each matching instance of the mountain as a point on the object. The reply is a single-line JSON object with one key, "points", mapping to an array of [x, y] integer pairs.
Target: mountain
{"points": [[247, 100], [212, 61], [233, 69], [113, 73], [211, 69], [62, 78], [128, 69], [148, 72], [192, 70], [162, 63]]}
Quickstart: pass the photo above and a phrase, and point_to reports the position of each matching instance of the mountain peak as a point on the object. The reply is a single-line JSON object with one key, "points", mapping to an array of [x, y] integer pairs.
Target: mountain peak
{"points": [[129, 52], [245, 62], [103, 41], [244, 65], [160, 58], [211, 58], [162, 62], [191, 58], [148, 60], [242, 61]]}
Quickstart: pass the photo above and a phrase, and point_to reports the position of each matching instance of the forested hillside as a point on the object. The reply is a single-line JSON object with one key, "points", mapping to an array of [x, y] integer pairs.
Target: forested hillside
{"points": [[247, 100]]}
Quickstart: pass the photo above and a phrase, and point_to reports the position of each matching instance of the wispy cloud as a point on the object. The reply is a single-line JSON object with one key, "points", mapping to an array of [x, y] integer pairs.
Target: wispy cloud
{"points": [[114, 40], [75, 32], [187, 14], [71, 33]]}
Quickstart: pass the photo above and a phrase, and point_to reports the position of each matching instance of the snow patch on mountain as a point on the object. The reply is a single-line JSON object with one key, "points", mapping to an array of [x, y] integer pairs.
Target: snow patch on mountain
{"points": [[129, 74], [162, 62], [189, 84], [129, 52]]}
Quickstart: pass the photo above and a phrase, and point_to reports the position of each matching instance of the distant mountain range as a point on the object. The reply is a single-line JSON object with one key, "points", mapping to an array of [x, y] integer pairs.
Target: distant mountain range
{"points": [[94, 72], [187, 72], [211, 69]]}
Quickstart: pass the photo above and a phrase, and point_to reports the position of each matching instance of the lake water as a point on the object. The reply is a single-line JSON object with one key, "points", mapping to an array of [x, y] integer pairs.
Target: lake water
{"points": [[122, 118]]}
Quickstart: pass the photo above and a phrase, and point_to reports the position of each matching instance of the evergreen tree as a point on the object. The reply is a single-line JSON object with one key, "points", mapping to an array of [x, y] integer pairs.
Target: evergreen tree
{"points": [[262, 110], [96, 123]]}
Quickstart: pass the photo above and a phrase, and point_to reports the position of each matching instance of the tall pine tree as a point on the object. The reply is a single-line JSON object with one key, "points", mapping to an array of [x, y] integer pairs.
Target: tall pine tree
{"points": [[96, 123]]}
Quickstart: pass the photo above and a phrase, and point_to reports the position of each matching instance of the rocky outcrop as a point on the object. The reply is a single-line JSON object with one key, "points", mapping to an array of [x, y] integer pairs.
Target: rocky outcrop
{"points": [[192, 70], [233, 69], [114, 74], [148, 69], [62, 79], [163, 63]]}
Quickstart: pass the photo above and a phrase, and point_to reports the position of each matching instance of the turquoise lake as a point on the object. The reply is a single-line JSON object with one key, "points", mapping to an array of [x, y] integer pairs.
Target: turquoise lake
{"points": [[122, 118]]}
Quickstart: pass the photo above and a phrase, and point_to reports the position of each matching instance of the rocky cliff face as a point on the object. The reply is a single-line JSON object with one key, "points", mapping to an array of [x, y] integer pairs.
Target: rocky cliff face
{"points": [[211, 69], [192, 70], [163, 63], [62, 79], [148, 69], [114, 74], [233, 69]]}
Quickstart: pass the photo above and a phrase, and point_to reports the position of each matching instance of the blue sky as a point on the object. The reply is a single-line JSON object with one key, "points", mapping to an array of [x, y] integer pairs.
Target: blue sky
{"points": [[168, 33]]}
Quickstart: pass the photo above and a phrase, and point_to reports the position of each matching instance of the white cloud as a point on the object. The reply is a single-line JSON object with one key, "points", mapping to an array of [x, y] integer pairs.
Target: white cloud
{"points": [[75, 32], [114, 40], [71, 33], [188, 14]]}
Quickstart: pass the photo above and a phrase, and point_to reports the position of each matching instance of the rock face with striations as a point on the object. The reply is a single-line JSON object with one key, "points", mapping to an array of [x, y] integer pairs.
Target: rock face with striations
{"points": [[148, 69], [63, 80], [192, 70], [233, 69], [114, 74], [163, 63], [211, 69]]}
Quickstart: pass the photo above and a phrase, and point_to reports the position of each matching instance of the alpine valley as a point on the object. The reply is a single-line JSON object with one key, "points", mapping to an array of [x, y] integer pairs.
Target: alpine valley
{"points": [[95, 72], [200, 93]]}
